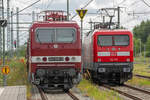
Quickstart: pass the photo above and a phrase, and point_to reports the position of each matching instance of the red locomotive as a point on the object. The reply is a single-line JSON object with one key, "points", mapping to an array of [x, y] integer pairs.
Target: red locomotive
{"points": [[54, 52], [108, 55]]}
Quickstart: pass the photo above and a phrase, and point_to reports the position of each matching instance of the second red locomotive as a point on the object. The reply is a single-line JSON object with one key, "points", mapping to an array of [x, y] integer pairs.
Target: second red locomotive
{"points": [[108, 55]]}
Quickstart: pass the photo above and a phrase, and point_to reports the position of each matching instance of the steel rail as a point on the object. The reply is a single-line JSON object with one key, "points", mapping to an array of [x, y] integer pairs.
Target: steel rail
{"points": [[123, 93], [43, 96], [142, 76], [137, 89], [72, 95]]}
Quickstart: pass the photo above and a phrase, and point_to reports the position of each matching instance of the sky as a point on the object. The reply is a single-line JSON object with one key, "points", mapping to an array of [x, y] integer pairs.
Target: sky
{"points": [[128, 7]]}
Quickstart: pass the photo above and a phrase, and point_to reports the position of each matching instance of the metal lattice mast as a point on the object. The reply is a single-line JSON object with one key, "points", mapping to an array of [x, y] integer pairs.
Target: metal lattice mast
{"points": [[12, 35], [1, 35], [17, 28], [8, 26]]}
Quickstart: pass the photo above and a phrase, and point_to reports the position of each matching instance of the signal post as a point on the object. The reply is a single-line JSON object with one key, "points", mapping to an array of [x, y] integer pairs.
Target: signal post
{"points": [[81, 12]]}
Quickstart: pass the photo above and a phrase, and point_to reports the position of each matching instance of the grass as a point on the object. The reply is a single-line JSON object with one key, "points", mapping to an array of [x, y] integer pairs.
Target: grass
{"points": [[18, 74], [142, 60], [94, 92], [141, 67], [139, 82]]}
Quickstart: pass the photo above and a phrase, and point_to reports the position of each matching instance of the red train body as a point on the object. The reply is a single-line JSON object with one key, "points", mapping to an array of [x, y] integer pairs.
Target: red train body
{"points": [[54, 54], [108, 55]]}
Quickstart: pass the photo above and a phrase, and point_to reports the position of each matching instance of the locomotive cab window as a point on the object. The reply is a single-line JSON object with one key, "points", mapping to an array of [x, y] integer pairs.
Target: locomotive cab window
{"points": [[113, 40], [65, 35], [44, 35], [55, 35]]}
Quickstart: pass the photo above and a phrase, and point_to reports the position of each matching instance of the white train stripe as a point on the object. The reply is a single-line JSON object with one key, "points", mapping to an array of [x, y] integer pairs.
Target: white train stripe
{"points": [[123, 53], [109, 53], [56, 65], [39, 59], [103, 53]]}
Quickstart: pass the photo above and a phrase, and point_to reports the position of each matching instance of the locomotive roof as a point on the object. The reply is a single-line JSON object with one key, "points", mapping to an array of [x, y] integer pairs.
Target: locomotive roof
{"points": [[53, 22], [116, 30], [91, 33]]}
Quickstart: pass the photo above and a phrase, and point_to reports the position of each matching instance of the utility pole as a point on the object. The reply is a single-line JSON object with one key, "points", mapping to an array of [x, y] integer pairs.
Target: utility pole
{"points": [[118, 17], [103, 19], [1, 35], [68, 10], [144, 54], [8, 26], [90, 24], [17, 26], [12, 35], [4, 76], [33, 16], [140, 48]]}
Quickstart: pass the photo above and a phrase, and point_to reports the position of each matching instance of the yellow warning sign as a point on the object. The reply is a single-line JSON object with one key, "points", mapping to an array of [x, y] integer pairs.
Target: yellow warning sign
{"points": [[81, 12], [5, 69]]}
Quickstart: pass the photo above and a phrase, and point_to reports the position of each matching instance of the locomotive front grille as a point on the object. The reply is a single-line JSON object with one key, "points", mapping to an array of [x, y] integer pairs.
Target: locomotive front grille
{"points": [[55, 58]]}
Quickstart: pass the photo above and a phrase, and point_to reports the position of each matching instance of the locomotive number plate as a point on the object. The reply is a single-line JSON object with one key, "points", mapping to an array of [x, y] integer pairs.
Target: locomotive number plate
{"points": [[56, 59]]}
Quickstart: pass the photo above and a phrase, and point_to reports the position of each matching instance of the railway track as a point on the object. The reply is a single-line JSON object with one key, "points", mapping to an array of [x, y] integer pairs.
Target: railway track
{"points": [[122, 93], [72, 95], [142, 76], [44, 96], [138, 89], [131, 92]]}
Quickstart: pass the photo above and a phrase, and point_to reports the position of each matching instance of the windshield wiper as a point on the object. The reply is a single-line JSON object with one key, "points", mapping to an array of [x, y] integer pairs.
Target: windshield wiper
{"points": [[38, 38]]}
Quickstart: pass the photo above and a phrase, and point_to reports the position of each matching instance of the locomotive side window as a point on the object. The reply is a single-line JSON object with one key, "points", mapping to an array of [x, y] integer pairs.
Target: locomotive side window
{"points": [[65, 35], [44, 35], [121, 40], [113, 40], [105, 40]]}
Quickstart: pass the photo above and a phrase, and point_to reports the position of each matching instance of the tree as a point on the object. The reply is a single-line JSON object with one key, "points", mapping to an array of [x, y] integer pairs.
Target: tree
{"points": [[148, 47], [142, 31], [136, 46]]}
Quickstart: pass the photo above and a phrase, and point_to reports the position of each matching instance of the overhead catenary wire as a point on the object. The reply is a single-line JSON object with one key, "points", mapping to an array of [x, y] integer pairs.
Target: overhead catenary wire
{"points": [[145, 3], [121, 2], [26, 7], [82, 8], [49, 4]]}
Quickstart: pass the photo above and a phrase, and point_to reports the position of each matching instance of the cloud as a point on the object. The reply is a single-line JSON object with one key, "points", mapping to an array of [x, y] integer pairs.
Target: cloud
{"points": [[128, 21]]}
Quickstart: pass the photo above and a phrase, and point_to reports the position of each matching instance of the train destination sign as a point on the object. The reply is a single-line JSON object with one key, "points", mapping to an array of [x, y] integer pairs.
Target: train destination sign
{"points": [[5, 69], [81, 12]]}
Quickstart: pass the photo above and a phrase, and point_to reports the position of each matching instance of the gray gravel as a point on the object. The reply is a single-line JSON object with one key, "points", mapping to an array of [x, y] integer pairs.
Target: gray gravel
{"points": [[60, 95], [138, 94], [57, 95], [121, 96]]}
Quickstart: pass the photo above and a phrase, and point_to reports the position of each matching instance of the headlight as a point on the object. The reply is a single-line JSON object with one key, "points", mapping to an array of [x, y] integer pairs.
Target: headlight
{"points": [[38, 59], [128, 59], [99, 59], [73, 58], [40, 72], [126, 69], [101, 70]]}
